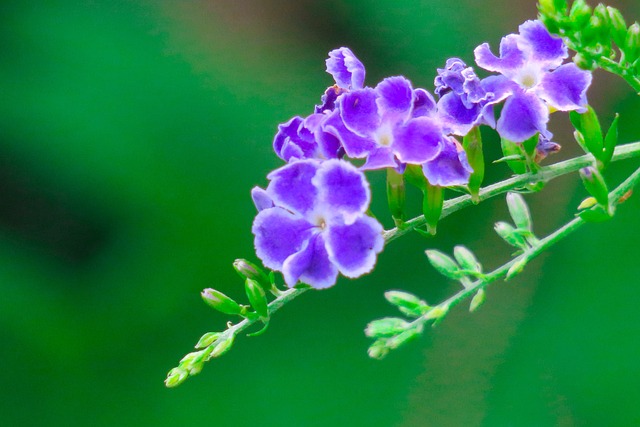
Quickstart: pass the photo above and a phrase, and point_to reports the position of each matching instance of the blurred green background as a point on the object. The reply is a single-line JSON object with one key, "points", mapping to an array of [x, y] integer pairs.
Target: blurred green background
{"points": [[130, 135]]}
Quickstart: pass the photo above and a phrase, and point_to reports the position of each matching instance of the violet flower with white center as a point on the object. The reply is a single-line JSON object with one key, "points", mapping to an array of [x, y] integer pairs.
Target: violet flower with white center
{"points": [[533, 79], [314, 225], [379, 124]]}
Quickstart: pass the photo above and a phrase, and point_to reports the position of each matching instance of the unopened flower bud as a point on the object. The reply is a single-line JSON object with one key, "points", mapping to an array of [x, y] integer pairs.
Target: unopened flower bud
{"points": [[519, 211], [403, 338], [248, 270], [222, 347], [580, 13], [595, 185], [408, 303], [396, 194], [378, 349], [509, 235], [220, 301], [466, 259], [175, 377], [617, 26], [207, 339], [432, 202], [631, 46], [477, 300], [257, 298], [444, 264], [386, 327]]}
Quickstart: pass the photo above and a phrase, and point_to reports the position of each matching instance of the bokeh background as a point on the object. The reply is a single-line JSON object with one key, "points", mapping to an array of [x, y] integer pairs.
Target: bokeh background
{"points": [[130, 135]]}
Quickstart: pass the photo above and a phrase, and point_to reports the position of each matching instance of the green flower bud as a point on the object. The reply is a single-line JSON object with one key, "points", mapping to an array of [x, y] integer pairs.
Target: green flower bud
{"points": [[617, 26], [408, 303], [517, 267], [175, 377], [220, 302], [396, 194], [595, 185], [222, 346], [257, 298], [519, 211], [580, 13], [511, 149], [510, 235], [587, 203], [583, 62], [477, 300], [631, 46], [432, 202], [248, 270], [386, 327], [466, 259], [403, 338], [444, 264], [378, 349], [207, 339], [472, 144]]}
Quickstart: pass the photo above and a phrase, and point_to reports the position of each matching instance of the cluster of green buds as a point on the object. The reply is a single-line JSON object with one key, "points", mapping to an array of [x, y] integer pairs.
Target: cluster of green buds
{"points": [[215, 344], [594, 33]]}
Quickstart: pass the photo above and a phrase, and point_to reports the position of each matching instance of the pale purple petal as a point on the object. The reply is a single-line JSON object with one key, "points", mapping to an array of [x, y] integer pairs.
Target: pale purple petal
{"points": [[286, 132], [354, 145], [346, 69], [291, 186], [353, 248], [510, 60], [522, 116], [279, 234], [395, 99], [261, 199], [359, 111], [310, 265], [418, 141], [380, 158], [450, 167], [327, 145], [342, 190], [423, 103], [565, 88], [545, 48]]}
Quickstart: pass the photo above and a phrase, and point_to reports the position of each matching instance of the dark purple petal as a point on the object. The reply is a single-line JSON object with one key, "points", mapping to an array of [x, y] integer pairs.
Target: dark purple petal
{"points": [[261, 199], [457, 118], [380, 158], [395, 99], [346, 69], [342, 189], [329, 99], [359, 111], [418, 141], [311, 265], [327, 145], [279, 234], [353, 248], [423, 103], [511, 56], [450, 167], [354, 145], [565, 88], [291, 186], [286, 131], [450, 77], [545, 48], [523, 115]]}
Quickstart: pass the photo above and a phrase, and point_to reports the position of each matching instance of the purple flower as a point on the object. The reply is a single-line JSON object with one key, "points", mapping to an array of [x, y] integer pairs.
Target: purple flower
{"points": [[449, 167], [346, 69], [312, 225], [532, 79], [305, 139], [388, 125]]}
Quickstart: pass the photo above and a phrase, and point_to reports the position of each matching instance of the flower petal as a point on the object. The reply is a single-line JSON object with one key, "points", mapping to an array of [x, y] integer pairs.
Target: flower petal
{"points": [[457, 118], [346, 69], [279, 234], [354, 145], [511, 56], [565, 88], [291, 186], [359, 111], [545, 48], [418, 141], [423, 103], [523, 115], [310, 265], [343, 190], [380, 158], [353, 248], [395, 99], [261, 199], [450, 167]]}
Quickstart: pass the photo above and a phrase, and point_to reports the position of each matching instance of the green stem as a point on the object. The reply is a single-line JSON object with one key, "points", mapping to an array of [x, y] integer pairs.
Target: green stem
{"points": [[522, 260], [544, 174]]}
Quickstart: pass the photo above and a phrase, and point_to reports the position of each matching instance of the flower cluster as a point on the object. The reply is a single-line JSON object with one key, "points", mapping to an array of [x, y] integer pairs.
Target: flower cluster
{"points": [[312, 222]]}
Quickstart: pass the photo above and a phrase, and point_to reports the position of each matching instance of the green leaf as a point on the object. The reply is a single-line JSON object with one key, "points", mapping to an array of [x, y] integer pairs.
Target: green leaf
{"points": [[589, 127], [510, 148], [610, 142], [472, 143]]}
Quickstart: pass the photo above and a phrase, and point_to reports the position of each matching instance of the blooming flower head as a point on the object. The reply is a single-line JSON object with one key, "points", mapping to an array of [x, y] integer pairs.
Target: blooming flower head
{"points": [[306, 139], [312, 225], [532, 79]]}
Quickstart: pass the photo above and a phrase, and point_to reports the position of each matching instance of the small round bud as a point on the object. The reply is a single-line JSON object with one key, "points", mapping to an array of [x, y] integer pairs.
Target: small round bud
{"points": [[595, 185], [519, 211], [248, 270], [631, 46], [466, 259], [175, 377], [207, 339], [444, 264]]}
